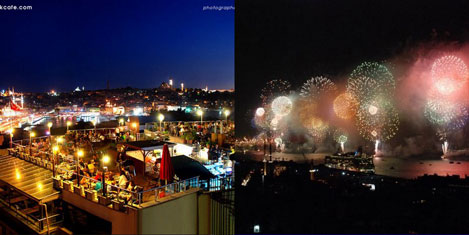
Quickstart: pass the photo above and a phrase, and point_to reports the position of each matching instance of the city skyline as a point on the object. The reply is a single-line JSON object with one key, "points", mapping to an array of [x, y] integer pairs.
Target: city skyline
{"points": [[140, 46]]}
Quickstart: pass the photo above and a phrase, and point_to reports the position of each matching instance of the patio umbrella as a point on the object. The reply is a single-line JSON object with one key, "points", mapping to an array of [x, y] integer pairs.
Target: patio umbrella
{"points": [[166, 167]]}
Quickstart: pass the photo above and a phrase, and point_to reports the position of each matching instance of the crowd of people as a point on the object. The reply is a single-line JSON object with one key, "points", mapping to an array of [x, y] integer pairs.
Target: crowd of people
{"points": [[92, 173], [77, 158]]}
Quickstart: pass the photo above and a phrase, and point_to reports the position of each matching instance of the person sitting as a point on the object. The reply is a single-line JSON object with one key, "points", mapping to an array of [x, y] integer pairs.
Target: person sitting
{"points": [[98, 186], [112, 188], [123, 180], [84, 180], [91, 167], [127, 194], [98, 176]]}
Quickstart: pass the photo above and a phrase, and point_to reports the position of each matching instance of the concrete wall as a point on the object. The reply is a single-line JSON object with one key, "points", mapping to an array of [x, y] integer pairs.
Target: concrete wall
{"points": [[175, 216], [204, 213], [122, 223]]}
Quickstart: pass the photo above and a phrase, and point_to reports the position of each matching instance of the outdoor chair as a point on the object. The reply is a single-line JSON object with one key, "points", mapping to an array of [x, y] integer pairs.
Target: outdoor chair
{"points": [[105, 201], [68, 185], [118, 205], [90, 194]]}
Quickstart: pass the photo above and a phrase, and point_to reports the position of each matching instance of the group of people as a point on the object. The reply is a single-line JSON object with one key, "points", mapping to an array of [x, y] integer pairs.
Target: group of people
{"points": [[178, 129], [90, 169]]}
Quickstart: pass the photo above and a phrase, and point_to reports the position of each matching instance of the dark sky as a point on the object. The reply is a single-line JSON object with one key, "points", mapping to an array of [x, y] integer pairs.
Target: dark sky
{"points": [[297, 39], [64, 44]]}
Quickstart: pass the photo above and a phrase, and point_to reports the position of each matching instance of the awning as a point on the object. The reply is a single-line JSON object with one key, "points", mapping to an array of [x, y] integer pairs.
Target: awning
{"points": [[148, 145], [186, 167], [30, 180]]}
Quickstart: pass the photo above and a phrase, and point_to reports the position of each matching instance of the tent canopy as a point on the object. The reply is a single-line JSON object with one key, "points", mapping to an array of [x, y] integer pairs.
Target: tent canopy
{"points": [[186, 167]]}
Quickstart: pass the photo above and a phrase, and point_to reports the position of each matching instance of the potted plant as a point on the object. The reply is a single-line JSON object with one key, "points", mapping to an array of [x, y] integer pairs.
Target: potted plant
{"points": [[189, 137]]}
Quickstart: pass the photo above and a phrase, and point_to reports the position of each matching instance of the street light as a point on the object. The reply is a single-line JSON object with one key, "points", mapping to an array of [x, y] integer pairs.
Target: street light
{"points": [[106, 159], [49, 124], [11, 137], [161, 118], [80, 153], [227, 113], [201, 114], [134, 126], [31, 136], [94, 124], [69, 123]]}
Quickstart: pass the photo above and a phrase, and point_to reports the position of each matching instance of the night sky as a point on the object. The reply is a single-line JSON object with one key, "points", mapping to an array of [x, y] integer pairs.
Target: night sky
{"points": [[64, 44], [297, 39]]}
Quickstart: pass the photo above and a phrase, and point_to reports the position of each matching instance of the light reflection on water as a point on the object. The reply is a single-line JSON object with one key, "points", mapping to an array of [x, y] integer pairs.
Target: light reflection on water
{"points": [[62, 121], [403, 168], [409, 168]]}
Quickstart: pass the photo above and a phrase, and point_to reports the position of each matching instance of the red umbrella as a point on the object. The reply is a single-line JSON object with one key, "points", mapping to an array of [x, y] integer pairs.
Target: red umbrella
{"points": [[166, 167]]}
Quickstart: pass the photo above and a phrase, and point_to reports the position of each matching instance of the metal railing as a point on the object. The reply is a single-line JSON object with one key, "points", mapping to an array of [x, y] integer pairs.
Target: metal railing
{"points": [[217, 184], [37, 223], [136, 197], [157, 193]]}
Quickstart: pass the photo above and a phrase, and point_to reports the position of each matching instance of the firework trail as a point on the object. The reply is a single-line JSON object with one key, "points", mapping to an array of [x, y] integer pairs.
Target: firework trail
{"points": [[274, 89]]}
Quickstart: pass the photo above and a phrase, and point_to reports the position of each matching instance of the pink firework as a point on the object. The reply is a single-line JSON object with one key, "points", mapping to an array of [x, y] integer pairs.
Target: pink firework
{"points": [[449, 73]]}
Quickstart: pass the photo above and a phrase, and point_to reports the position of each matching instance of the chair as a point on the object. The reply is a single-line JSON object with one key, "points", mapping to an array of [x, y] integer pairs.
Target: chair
{"points": [[118, 205], [78, 190], [90, 194], [105, 201], [58, 183], [68, 185]]}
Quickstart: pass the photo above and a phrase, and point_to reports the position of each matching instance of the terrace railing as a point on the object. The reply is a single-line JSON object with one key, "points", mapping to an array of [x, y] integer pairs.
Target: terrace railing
{"points": [[135, 197], [157, 193]]}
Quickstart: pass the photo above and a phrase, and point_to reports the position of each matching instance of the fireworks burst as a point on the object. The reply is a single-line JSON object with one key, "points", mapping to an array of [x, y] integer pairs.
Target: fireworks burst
{"points": [[369, 80], [340, 136], [318, 128], [377, 120], [282, 106], [260, 112], [315, 87], [345, 106], [446, 115], [273, 89], [449, 73]]}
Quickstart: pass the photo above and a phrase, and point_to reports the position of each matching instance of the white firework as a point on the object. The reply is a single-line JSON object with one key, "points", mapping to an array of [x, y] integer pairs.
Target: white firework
{"points": [[282, 106]]}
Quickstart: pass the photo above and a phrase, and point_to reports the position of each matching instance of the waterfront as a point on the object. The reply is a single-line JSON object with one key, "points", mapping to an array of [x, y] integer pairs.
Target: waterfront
{"points": [[389, 166]]}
